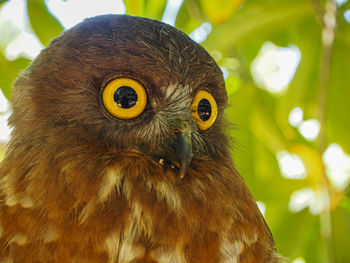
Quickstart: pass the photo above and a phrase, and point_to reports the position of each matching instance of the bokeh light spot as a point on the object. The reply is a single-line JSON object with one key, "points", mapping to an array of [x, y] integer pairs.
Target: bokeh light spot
{"points": [[347, 15], [5, 130], [225, 72], [296, 117], [217, 55], [5, 112], [201, 33], [291, 165], [262, 207], [340, 2], [274, 67], [14, 11], [309, 129], [337, 164], [301, 199], [170, 12], [25, 44], [71, 12], [16, 34], [4, 104], [307, 197], [299, 260]]}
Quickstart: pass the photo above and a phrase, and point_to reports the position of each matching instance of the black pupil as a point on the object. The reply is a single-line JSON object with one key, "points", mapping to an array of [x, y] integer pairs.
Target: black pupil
{"points": [[204, 109], [125, 97]]}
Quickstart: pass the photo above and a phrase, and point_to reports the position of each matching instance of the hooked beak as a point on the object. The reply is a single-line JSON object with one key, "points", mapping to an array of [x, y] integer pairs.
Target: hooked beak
{"points": [[182, 146]]}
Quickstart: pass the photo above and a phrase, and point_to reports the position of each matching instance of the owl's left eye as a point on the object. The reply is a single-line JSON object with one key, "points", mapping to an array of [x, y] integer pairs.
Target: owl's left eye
{"points": [[124, 98], [204, 109]]}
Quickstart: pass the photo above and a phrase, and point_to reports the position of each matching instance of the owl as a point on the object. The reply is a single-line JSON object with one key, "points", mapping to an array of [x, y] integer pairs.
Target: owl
{"points": [[118, 154]]}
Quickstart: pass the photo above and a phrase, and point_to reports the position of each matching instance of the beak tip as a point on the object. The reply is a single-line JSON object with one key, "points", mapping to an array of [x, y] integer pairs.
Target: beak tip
{"points": [[182, 145], [185, 164], [182, 174]]}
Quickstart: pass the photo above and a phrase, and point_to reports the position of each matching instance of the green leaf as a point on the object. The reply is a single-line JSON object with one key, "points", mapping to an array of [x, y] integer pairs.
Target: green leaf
{"points": [[233, 83], [341, 225], [263, 123], [292, 245], [44, 24], [302, 91], [220, 10], [9, 71], [185, 19], [155, 8], [338, 106], [238, 114], [2, 2], [135, 7], [151, 8], [255, 20]]}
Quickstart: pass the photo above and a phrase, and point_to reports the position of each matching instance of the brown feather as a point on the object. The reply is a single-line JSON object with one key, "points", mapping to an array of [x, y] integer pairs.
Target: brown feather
{"points": [[78, 185]]}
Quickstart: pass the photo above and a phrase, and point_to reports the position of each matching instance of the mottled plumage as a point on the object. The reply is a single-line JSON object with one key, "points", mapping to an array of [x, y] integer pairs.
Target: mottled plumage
{"points": [[80, 185]]}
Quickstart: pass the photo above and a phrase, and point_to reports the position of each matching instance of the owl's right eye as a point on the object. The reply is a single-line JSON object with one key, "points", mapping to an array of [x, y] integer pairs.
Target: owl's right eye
{"points": [[124, 98], [204, 109]]}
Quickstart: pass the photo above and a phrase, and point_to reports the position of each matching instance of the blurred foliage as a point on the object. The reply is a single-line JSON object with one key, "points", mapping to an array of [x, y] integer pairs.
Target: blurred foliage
{"points": [[3, 1], [150, 8], [321, 87], [9, 71], [45, 26]]}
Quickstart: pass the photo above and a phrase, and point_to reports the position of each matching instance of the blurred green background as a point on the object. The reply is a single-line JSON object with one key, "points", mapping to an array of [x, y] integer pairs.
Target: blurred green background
{"points": [[287, 70]]}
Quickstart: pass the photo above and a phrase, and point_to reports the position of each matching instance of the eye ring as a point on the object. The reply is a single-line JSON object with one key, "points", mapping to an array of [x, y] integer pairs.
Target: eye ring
{"points": [[204, 109], [124, 98]]}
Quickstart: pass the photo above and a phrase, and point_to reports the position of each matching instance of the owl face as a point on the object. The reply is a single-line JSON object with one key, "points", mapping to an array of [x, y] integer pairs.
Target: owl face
{"points": [[128, 86]]}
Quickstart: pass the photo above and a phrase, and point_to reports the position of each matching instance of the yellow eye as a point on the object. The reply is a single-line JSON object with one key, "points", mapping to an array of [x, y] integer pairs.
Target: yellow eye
{"points": [[204, 109], [124, 98]]}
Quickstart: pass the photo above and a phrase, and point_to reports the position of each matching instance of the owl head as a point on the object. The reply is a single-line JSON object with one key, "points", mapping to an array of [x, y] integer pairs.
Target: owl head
{"points": [[118, 140], [122, 86]]}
